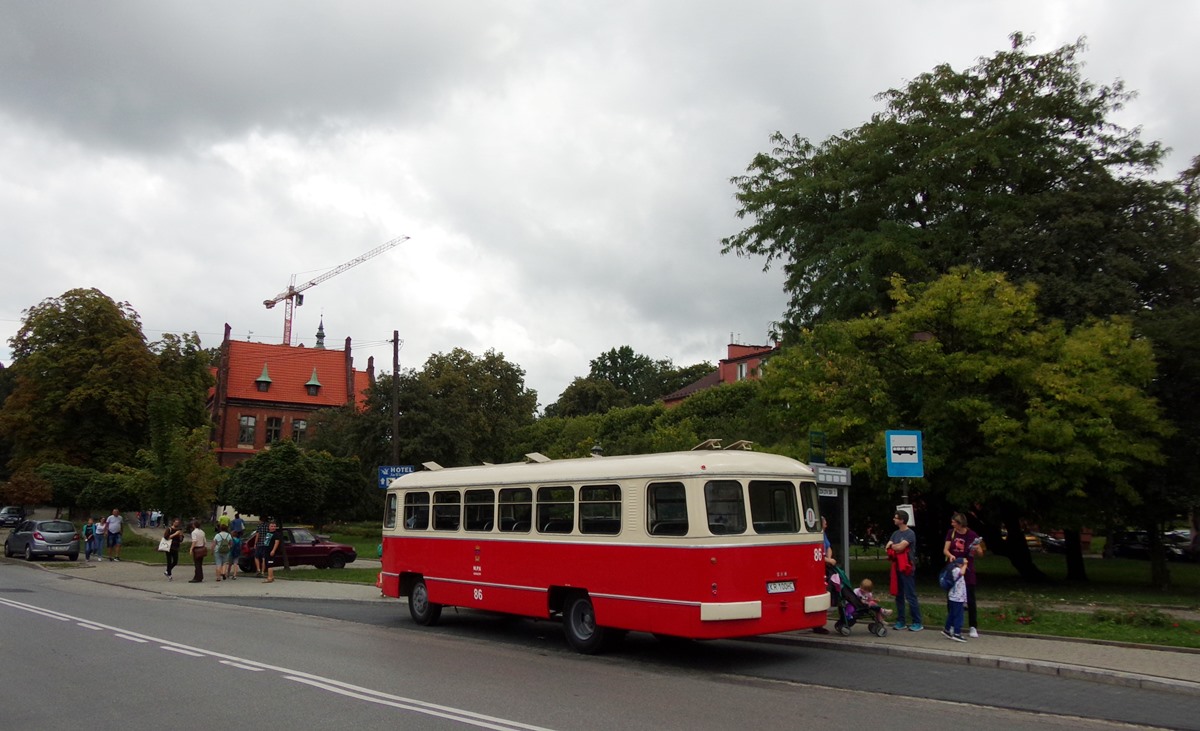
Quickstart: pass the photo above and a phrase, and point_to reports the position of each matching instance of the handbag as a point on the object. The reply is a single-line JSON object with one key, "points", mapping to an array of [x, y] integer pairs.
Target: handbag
{"points": [[164, 544], [199, 551]]}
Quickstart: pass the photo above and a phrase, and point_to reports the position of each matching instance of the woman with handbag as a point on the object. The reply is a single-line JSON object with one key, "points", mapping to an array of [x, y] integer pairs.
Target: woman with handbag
{"points": [[199, 551], [173, 534]]}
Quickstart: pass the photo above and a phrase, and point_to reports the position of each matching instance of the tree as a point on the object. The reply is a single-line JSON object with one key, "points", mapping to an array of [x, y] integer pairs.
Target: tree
{"points": [[460, 409], [67, 483], [184, 375], [1013, 165], [1021, 419], [82, 377], [290, 484], [588, 396], [620, 377]]}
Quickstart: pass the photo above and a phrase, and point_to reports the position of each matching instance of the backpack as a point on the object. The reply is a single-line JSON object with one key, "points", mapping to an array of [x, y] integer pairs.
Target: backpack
{"points": [[946, 578], [222, 544]]}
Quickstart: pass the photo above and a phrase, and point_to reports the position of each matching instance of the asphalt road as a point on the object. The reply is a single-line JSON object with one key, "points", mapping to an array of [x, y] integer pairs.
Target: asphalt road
{"points": [[77, 653]]}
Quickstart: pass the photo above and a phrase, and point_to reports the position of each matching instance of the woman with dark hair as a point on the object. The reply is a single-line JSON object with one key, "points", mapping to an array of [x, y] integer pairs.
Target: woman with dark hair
{"points": [[173, 533], [962, 542]]}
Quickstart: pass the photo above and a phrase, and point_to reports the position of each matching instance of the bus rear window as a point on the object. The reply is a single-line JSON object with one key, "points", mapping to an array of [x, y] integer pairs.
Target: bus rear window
{"points": [[389, 512], [416, 510], [555, 509], [600, 509], [810, 506], [726, 508], [773, 506]]}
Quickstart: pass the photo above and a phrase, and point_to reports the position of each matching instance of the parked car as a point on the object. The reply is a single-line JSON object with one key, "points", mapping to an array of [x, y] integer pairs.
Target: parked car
{"points": [[1136, 544], [303, 549], [11, 515], [34, 538], [1031, 539], [1049, 543]]}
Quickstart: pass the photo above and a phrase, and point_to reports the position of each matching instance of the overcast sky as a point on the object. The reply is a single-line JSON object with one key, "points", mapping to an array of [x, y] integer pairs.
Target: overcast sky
{"points": [[562, 168]]}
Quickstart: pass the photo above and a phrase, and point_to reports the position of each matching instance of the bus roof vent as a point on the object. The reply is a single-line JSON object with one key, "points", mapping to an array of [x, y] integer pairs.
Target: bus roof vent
{"points": [[536, 457], [708, 444], [431, 466], [741, 444]]}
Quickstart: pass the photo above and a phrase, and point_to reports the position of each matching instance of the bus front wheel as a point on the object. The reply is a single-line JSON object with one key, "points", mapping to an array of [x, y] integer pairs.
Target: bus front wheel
{"points": [[423, 611], [579, 620]]}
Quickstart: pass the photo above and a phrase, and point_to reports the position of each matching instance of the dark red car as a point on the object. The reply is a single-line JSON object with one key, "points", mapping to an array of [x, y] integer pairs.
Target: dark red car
{"points": [[303, 548]]}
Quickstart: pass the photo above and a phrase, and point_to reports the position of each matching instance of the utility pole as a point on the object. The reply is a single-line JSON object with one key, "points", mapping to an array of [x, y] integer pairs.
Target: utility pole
{"points": [[395, 397]]}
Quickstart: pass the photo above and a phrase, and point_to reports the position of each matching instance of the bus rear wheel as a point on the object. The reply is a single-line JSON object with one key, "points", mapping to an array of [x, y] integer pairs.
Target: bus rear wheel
{"points": [[579, 622], [423, 611]]}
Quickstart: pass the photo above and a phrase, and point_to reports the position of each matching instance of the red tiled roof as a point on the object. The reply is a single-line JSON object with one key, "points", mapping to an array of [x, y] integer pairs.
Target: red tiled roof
{"points": [[712, 379], [289, 368]]}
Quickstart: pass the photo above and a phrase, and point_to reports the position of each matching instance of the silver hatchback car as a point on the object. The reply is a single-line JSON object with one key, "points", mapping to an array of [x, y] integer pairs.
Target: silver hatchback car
{"points": [[43, 538]]}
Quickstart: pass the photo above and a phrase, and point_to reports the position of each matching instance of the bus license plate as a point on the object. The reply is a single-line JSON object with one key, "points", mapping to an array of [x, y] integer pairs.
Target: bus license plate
{"points": [[781, 587]]}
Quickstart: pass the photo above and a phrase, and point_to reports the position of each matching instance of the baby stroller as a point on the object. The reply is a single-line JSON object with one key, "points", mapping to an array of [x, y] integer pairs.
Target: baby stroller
{"points": [[852, 609]]}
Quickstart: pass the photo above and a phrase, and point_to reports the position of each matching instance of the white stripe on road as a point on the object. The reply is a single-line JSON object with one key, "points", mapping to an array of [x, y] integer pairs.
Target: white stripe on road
{"points": [[131, 638], [181, 651], [336, 686]]}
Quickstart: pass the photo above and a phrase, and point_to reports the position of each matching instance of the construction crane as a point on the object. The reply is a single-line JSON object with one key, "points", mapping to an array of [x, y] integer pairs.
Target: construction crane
{"points": [[291, 296]]}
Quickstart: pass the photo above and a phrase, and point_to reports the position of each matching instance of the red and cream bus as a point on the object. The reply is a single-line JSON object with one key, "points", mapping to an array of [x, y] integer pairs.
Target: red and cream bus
{"points": [[700, 544]]}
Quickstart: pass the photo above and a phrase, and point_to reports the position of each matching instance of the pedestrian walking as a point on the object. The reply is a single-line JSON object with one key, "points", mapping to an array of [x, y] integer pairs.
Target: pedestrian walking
{"points": [[89, 538], [199, 551], [222, 544], [173, 533], [274, 544], [261, 546], [100, 530], [235, 552], [115, 523]]}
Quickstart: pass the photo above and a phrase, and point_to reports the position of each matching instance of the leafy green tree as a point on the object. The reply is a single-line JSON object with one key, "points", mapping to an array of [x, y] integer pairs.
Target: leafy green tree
{"points": [[83, 375], [66, 484], [620, 377], [461, 409], [1020, 419], [588, 396], [123, 489], [1013, 165], [184, 375], [290, 484]]}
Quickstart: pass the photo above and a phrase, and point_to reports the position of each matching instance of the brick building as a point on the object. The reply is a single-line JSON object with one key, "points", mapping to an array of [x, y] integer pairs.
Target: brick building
{"points": [[267, 393], [742, 362]]}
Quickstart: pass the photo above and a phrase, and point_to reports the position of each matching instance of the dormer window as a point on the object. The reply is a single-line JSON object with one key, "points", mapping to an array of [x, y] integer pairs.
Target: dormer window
{"points": [[313, 385], [263, 382]]}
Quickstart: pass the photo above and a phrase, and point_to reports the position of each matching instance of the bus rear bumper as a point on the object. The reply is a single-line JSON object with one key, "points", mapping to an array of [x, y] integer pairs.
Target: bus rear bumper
{"points": [[817, 603]]}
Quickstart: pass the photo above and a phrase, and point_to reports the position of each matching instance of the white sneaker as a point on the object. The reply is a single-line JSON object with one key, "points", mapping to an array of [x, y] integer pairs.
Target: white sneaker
{"points": [[973, 633]]}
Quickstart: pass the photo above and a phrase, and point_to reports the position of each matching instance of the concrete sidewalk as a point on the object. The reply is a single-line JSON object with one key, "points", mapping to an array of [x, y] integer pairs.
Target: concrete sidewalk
{"points": [[1140, 666]]}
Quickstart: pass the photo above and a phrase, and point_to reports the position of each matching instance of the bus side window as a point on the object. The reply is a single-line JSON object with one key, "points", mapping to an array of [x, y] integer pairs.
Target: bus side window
{"points": [[600, 509], [447, 509], [773, 506], [480, 509], [516, 509], [726, 509], [416, 511], [666, 509], [389, 512], [555, 509]]}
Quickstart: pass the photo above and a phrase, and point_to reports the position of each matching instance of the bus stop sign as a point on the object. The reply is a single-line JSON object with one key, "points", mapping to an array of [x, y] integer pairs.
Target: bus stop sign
{"points": [[904, 458]]}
